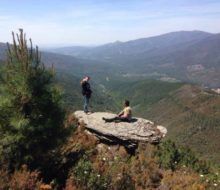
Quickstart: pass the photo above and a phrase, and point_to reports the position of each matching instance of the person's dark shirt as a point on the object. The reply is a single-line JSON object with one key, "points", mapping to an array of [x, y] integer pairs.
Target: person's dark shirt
{"points": [[86, 90]]}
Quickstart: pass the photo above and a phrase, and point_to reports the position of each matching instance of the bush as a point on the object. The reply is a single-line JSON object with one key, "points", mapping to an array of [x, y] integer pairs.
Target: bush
{"points": [[181, 180], [85, 175], [4, 179], [22, 179], [25, 180], [171, 157], [168, 155], [125, 182]]}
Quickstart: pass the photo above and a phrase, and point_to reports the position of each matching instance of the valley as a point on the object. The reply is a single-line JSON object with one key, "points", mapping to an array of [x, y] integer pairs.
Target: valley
{"points": [[161, 76]]}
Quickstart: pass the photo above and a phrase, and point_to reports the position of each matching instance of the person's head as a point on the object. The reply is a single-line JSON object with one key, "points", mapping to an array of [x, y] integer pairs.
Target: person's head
{"points": [[87, 78], [126, 103]]}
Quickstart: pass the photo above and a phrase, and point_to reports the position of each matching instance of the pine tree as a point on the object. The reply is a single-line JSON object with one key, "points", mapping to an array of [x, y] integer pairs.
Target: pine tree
{"points": [[31, 115]]}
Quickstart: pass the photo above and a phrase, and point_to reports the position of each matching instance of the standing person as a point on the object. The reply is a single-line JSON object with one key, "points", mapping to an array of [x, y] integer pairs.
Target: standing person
{"points": [[124, 116], [86, 92]]}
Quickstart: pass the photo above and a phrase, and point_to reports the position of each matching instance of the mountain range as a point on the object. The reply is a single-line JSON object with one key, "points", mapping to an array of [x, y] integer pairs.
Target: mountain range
{"points": [[191, 56], [134, 47], [187, 56]]}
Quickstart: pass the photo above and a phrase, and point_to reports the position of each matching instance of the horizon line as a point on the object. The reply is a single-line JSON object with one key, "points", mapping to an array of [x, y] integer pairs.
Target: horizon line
{"points": [[62, 45]]}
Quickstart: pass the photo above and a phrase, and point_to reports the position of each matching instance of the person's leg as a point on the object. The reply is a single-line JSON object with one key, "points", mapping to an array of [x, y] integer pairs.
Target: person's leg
{"points": [[110, 119], [116, 119], [123, 119], [86, 102]]}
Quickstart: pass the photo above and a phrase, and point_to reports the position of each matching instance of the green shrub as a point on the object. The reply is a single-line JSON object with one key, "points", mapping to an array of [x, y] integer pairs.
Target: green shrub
{"points": [[171, 157], [168, 155], [85, 175]]}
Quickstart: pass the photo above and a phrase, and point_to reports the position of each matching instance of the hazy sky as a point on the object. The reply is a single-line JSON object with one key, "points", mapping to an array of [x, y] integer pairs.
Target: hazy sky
{"points": [[86, 22]]}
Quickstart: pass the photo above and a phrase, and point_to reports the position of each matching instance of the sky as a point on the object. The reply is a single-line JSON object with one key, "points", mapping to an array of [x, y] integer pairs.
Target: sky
{"points": [[56, 23]]}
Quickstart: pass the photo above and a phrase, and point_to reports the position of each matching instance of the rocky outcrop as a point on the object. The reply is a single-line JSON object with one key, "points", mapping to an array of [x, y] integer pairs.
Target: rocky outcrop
{"points": [[128, 134]]}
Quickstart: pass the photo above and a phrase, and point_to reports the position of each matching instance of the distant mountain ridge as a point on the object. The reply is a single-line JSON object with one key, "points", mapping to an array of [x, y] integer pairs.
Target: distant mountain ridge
{"points": [[190, 56], [65, 63], [135, 46]]}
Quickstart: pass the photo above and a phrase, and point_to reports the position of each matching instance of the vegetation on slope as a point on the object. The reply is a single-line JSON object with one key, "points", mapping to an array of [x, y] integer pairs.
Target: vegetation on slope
{"points": [[142, 93], [85, 163], [192, 118], [190, 113]]}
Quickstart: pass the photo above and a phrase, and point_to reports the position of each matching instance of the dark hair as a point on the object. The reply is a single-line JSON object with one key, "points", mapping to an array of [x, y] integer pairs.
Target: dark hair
{"points": [[127, 103]]}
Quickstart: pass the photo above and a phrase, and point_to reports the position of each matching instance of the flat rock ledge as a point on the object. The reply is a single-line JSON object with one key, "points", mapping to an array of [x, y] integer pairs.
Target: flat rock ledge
{"points": [[128, 134]]}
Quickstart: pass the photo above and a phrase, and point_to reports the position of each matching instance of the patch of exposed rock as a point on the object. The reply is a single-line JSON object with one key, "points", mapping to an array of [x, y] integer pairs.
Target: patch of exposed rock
{"points": [[128, 134]]}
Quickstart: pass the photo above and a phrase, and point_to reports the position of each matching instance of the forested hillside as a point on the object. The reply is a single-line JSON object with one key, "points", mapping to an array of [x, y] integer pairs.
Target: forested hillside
{"points": [[190, 113]]}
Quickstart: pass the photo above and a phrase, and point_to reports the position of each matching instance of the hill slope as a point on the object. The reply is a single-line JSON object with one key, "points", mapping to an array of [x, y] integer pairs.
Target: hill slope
{"points": [[190, 113], [192, 118]]}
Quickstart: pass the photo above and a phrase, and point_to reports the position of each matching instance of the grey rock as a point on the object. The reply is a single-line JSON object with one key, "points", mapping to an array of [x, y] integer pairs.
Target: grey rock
{"points": [[129, 134]]}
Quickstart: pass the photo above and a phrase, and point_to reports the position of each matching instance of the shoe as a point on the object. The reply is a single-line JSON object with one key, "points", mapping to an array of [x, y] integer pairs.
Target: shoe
{"points": [[104, 119]]}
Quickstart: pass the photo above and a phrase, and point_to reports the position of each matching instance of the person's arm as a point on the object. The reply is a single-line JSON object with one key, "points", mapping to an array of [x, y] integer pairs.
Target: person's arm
{"points": [[84, 89], [121, 113], [125, 114]]}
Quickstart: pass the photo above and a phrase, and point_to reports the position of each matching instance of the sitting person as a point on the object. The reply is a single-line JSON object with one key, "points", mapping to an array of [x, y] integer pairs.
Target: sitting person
{"points": [[124, 116]]}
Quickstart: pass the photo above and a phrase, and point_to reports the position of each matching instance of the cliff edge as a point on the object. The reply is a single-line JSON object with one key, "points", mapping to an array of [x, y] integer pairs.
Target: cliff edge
{"points": [[128, 134]]}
